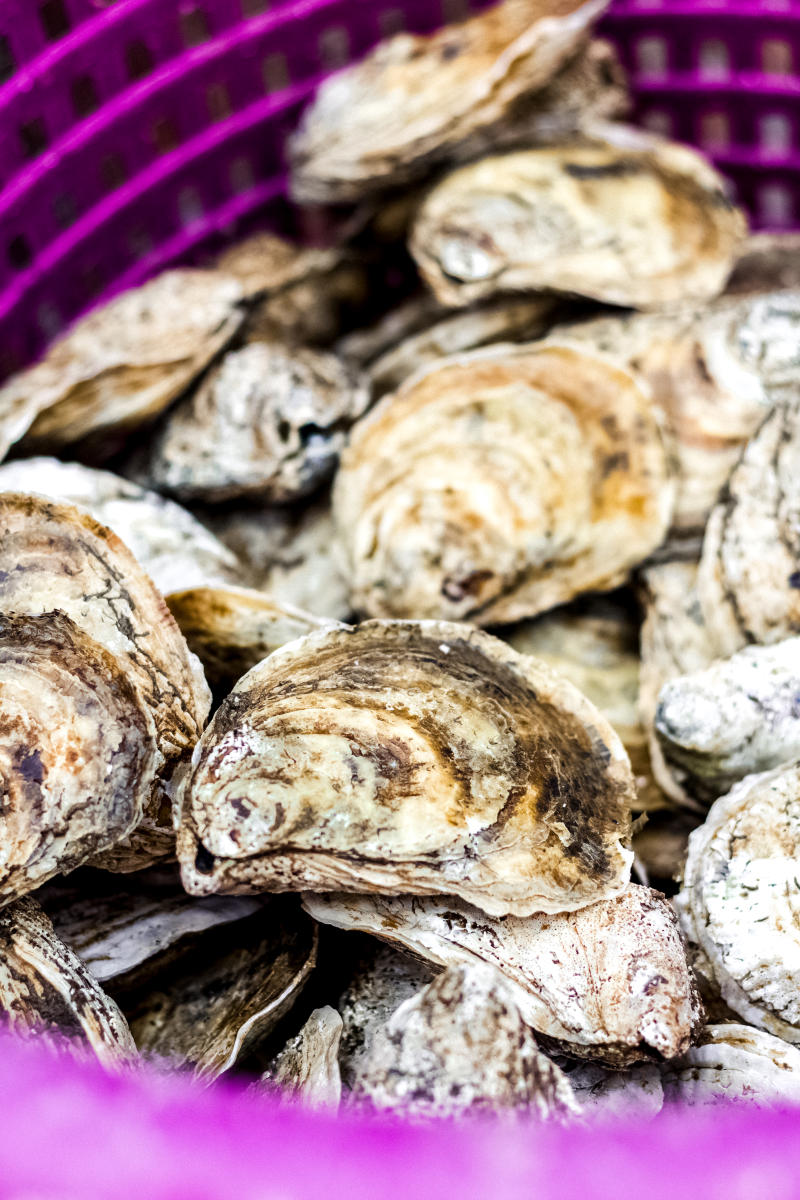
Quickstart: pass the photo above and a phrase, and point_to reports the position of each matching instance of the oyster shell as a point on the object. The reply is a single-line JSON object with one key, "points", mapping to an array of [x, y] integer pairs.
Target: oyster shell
{"points": [[384, 121], [748, 582], [621, 217], [221, 998], [423, 757], [124, 363], [740, 901], [735, 1063], [231, 629], [307, 1068], [460, 1046], [78, 755], [767, 261], [737, 717], [500, 484], [175, 549], [268, 422], [46, 990], [58, 557], [604, 1095], [609, 982]]}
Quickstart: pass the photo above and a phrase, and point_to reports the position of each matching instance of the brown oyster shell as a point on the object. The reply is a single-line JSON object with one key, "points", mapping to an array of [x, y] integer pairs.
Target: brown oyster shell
{"points": [[767, 261], [413, 100], [500, 484], [621, 217], [609, 983], [307, 1068], [46, 990], [124, 363], [268, 421], [422, 757], [78, 755]]}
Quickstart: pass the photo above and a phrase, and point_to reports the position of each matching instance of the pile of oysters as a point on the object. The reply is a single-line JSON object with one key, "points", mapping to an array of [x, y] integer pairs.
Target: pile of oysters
{"points": [[400, 681]]}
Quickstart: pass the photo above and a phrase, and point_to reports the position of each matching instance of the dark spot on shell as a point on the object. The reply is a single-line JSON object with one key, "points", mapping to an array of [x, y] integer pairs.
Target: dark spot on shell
{"points": [[611, 170], [204, 861]]}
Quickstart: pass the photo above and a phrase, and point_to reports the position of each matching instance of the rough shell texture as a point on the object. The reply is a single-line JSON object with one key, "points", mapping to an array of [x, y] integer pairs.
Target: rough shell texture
{"points": [[500, 484], [735, 1063], [175, 549], [221, 998], [55, 556], [603, 1095], [121, 366], [620, 217], [265, 264], [46, 990], [268, 422], [78, 755], [610, 982], [737, 717], [307, 1068], [460, 1046], [412, 101], [749, 577], [767, 261], [232, 629], [741, 900], [422, 757]]}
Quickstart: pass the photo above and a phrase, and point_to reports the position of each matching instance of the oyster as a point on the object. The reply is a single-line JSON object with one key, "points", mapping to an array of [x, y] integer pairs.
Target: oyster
{"points": [[735, 1063], [500, 484], [621, 217], [609, 982], [78, 755], [124, 363], [307, 1068], [748, 582], [605, 1095], [175, 549], [268, 422], [422, 757], [231, 629], [767, 261], [460, 1046], [46, 990], [58, 557], [413, 100], [737, 717], [225, 995], [740, 901]]}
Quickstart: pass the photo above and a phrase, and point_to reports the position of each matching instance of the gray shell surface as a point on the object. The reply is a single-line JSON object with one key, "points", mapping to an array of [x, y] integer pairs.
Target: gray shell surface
{"points": [[736, 1064]]}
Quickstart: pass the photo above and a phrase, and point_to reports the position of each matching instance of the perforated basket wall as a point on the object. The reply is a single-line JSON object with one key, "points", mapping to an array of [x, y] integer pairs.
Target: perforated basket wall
{"points": [[137, 133]]}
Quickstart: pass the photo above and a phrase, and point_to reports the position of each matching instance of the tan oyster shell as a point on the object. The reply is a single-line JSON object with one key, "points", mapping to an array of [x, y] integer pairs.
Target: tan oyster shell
{"points": [[46, 989], [385, 120], [740, 901], [609, 982], [767, 261], [748, 582], [307, 1068], [735, 1064], [459, 1047], [500, 484], [78, 755], [268, 422], [121, 365], [421, 757], [63, 559], [622, 217]]}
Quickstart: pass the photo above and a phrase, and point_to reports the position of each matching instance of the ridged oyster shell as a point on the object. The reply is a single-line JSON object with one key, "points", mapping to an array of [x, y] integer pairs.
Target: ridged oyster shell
{"points": [[307, 1068], [736, 1064]]}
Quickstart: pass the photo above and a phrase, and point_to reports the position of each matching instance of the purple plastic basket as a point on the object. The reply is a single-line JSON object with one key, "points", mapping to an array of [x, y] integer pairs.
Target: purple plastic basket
{"points": [[138, 133]]}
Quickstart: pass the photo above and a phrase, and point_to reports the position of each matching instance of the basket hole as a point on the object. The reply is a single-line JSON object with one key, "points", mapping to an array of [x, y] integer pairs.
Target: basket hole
{"points": [[64, 211], [84, 96], [252, 8], [92, 280], [19, 253], [165, 135], [658, 121], [715, 131], [776, 57], [140, 243], [241, 175], [10, 362], [138, 60], [391, 21], [275, 72], [714, 61], [334, 47], [112, 172], [7, 63], [652, 59], [455, 10], [33, 136], [54, 19], [48, 319], [218, 101], [190, 206], [775, 133], [775, 204], [194, 27]]}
